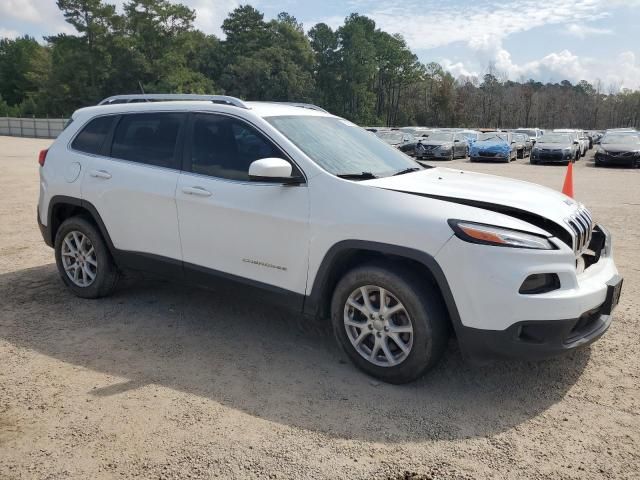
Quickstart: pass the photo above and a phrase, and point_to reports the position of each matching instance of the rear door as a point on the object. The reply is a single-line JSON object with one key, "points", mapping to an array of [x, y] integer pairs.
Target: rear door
{"points": [[231, 225], [132, 184]]}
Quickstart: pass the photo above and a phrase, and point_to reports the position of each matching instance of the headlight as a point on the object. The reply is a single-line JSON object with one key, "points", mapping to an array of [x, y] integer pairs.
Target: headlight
{"points": [[445, 146], [498, 236], [599, 149], [535, 150], [566, 150]]}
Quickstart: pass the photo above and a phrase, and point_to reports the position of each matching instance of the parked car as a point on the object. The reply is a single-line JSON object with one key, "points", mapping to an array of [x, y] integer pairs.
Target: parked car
{"points": [[534, 133], [556, 147], [523, 145], [405, 142], [309, 209], [618, 149], [443, 145], [578, 135], [494, 146], [470, 135]]}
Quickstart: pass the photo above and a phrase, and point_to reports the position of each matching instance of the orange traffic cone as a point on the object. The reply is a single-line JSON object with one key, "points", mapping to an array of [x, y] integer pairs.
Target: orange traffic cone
{"points": [[567, 188]]}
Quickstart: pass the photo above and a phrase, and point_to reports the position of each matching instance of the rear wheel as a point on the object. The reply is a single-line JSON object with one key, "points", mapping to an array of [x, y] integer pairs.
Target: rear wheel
{"points": [[83, 260], [391, 323]]}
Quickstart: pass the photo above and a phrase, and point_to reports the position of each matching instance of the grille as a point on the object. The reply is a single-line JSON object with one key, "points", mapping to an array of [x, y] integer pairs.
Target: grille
{"points": [[581, 225], [487, 154]]}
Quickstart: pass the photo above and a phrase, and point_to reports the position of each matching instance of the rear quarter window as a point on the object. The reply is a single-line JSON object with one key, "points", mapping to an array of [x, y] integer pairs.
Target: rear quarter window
{"points": [[92, 136]]}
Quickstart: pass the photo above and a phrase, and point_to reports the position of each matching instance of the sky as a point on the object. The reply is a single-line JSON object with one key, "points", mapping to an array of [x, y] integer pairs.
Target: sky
{"points": [[548, 41]]}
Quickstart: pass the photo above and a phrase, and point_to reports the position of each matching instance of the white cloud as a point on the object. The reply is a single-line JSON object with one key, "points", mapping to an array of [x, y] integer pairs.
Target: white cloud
{"points": [[436, 25], [45, 15], [210, 14], [458, 69], [6, 33], [25, 10], [585, 31]]}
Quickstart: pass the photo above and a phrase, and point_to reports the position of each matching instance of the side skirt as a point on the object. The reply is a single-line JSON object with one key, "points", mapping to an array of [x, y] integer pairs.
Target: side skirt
{"points": [[201, 277]]}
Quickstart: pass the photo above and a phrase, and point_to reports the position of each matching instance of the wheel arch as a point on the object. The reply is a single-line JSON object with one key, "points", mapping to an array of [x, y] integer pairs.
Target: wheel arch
{"points": [[348, 254], [62, 207]]}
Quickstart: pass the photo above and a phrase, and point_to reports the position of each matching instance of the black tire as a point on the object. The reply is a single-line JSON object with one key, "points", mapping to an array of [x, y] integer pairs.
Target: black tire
{"points": [[532, 161], [423, 305], [106, 275]]}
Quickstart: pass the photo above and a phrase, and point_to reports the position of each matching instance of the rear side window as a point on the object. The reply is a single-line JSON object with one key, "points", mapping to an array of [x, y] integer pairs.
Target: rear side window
{"points": [[92, 136], [148, 138]]}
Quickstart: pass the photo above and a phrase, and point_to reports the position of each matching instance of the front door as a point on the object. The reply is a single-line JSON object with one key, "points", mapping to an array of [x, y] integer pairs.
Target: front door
{"points": [[231, 225]]}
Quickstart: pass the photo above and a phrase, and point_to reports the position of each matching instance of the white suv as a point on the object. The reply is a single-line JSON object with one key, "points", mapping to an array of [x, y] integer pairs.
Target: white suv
{"points": [[301, 205]]}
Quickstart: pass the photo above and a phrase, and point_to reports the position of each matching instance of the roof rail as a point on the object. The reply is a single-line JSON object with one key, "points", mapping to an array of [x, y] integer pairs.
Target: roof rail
{"points": [[163, 97], [304, 105]]}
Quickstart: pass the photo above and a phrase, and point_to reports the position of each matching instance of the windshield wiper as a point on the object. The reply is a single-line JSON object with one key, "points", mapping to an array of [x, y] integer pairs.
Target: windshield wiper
{"points": [[357, 176], [407, 170]]}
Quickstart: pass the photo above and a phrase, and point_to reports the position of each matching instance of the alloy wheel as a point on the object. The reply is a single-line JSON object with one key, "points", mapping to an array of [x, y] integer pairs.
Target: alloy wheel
{"points": [[378, 326], [79, 259]]}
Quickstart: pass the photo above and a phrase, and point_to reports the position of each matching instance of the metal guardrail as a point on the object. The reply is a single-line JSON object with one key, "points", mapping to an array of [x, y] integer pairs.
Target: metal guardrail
{"points": [[32, 127]]}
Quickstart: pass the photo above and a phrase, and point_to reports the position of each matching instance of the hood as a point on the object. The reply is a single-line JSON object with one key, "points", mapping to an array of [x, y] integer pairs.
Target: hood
{"points": [[494, 146], [543, 144], [541, 206], [619, 147], [427, 141]]}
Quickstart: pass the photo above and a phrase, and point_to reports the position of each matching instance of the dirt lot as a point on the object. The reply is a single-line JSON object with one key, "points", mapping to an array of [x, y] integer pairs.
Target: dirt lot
{"points": [[162, 381]]}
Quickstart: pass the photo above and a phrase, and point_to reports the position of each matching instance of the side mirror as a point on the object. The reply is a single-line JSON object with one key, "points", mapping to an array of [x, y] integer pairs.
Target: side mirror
{"points": [[272, 170], [456, 141]]}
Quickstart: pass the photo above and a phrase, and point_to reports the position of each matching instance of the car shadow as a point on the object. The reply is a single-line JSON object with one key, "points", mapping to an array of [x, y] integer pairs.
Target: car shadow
{"points": [[267, 362]]}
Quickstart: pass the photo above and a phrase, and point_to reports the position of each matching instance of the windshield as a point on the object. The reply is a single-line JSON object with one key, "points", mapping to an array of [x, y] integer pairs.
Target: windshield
{"points": [[341, 147], [531, 133], [626, 139], [390, 137], [492, 136], [555, 138], [441, 137], [470, 135]]}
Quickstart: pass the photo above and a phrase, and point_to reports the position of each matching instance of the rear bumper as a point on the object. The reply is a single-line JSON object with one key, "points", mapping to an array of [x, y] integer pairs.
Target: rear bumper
{"points": [[44, 230]]}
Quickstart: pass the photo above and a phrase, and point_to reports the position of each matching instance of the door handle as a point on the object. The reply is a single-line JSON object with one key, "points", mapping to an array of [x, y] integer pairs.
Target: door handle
{"points": [[100, 174], [201, 192]]}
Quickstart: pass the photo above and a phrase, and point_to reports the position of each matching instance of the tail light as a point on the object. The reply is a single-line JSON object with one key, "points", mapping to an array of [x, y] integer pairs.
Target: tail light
{"points": [[42, 157]]}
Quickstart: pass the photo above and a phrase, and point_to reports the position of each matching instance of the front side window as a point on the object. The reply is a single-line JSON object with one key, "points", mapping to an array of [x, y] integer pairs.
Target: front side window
{"points": [[148, 138], [224, 147], [340, 147], [92, 136]]}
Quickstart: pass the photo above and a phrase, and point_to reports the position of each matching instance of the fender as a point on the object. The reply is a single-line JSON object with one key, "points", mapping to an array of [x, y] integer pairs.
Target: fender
{"points": [[313, 305]]}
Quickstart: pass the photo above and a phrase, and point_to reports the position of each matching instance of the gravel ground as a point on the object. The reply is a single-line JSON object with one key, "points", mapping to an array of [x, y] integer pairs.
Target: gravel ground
{"points": [[163, 381]]}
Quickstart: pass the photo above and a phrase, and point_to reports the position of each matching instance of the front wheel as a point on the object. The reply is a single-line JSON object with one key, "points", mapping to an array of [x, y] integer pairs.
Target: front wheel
{"points": [[83, 260], [390, 322]]}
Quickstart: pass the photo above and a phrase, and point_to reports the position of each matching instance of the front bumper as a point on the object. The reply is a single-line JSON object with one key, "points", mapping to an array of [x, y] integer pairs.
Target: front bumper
{"points": [[623, 159], [551, 156], [536, 339], [495, 320], [498, 157], [432, 154]]}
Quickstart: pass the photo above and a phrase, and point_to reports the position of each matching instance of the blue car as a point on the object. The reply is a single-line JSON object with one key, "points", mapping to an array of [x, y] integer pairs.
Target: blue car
{"points": [[493, 146]]}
